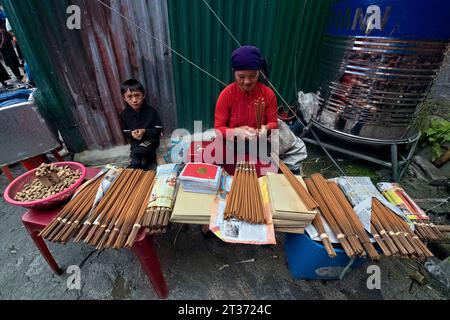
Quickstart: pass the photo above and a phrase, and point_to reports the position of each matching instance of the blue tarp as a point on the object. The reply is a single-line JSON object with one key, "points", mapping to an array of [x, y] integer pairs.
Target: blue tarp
{"points": [[12, 102], [16, 94]]}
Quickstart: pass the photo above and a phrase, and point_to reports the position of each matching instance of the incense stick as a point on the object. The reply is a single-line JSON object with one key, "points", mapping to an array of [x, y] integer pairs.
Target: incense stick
{"points": [[244, 200], [302, 193]]}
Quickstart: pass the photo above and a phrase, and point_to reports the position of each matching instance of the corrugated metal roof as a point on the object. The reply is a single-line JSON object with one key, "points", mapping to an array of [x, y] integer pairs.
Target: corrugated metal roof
{"points": [[88, 65], [288, 32]]}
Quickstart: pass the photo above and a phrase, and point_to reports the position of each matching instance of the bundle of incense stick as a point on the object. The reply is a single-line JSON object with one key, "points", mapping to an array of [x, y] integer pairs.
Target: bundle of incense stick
{"points": [[354, 220], [116, 220], [73, 214], [303, 194], [327, 206], [157, 219], [138, 224], [395, 194], [396, 234], [244, 201], [259, 110], [160, 207], [428, 231], [318, 224]]}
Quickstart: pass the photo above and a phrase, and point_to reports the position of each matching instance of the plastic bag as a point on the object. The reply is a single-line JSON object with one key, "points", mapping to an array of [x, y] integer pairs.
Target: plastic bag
{"points": [[439, 270], [309, 105], [292, 149]]}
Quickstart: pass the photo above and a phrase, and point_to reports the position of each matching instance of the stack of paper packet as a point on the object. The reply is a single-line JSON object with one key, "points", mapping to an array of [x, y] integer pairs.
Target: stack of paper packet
{"points": [[192, 208], [288, 210], [200, 177]]}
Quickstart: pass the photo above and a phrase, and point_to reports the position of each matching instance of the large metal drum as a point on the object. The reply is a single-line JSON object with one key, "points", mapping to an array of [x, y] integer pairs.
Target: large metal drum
{"points": [[377, 64]]}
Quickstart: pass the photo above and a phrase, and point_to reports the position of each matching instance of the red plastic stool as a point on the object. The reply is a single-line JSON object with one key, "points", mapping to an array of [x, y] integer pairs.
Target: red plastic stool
{"points": [[145, 250], [7, 173], [33, 162], [36, 220]]}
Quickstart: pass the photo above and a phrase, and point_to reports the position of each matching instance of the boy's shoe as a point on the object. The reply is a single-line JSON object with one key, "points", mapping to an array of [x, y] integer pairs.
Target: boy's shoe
{"points": [[150, 166]]}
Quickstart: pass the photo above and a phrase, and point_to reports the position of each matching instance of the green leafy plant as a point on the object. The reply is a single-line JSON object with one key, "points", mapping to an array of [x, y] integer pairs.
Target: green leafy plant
{"points": [[437, 134]]}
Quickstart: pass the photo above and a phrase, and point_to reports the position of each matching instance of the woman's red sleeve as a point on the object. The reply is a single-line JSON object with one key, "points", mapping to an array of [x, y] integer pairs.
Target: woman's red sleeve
{"points": [[222, 113], [272, 112]]}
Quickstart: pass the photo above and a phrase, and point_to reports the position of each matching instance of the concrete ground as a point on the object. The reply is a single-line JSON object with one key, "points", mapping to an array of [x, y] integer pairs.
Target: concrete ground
{"points": [[194, 267]]}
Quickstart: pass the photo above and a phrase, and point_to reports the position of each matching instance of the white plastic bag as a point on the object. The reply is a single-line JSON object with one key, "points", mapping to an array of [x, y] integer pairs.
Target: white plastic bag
{"points": [[292, 149], [309, 105]]}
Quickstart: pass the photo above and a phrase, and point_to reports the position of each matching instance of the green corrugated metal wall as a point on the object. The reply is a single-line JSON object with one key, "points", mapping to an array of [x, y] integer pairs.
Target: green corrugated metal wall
{"points": [[287, 31], [52, 99]]}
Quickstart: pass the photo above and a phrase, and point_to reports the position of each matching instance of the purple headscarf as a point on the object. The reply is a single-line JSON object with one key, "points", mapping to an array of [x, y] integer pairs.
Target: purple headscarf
{"points": [[248, 58]]}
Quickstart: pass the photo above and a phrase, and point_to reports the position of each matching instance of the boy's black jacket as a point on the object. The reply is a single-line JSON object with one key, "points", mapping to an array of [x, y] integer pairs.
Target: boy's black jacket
{"points": [[147, 118]]}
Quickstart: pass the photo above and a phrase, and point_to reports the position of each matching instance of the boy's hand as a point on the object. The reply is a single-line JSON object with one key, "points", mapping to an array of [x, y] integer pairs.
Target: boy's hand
{"points": [[141, 133], [138, 134], [134, 134]]}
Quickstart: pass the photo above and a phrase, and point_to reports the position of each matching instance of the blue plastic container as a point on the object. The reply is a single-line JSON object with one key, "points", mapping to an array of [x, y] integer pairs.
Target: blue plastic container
{"points": [[308, 259]]}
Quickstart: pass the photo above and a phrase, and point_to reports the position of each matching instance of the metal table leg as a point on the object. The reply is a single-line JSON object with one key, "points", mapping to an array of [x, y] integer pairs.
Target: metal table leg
{"points": [[306, 129], [398, 167], [394, 161], [409, 158]]}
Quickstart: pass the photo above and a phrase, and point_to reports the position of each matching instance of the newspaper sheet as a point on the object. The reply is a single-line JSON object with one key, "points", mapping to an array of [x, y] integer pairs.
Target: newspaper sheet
{"points": [[237, 231], [359, 191]]}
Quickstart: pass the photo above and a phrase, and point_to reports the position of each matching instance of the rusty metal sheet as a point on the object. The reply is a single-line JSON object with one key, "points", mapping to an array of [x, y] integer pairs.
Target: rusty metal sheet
{"points": [[88, 65]]}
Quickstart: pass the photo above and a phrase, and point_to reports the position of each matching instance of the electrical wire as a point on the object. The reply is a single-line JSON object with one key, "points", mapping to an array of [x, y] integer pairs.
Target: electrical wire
{"points": [[221, 22], [220, 81], [281, 97], [161, 42], [438, 205]]}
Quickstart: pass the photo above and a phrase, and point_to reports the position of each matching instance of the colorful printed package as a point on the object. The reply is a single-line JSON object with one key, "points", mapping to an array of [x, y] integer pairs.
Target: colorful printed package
{"points": [[395, 194]]}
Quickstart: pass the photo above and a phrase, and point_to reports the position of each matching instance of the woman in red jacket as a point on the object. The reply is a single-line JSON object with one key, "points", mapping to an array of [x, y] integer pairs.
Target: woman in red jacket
{"points": [[235, 115]]}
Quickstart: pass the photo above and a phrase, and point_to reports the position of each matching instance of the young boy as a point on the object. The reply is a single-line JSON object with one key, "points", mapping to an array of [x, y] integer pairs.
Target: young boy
{"points": [[141, 125]]}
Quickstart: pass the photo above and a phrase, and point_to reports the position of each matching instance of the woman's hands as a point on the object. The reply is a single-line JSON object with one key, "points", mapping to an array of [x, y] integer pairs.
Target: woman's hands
{"points": [[245, 133], [249, 133], [263, 131]]}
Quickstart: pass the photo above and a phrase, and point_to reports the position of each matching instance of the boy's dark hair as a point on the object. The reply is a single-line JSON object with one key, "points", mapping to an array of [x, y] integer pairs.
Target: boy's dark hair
{"points": [[132, 85]]}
